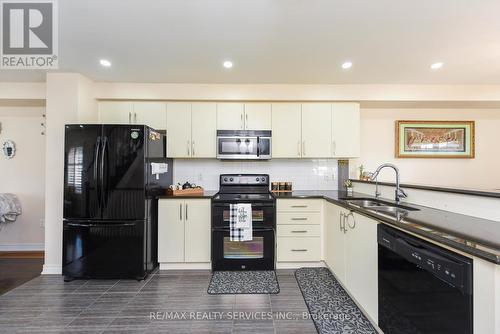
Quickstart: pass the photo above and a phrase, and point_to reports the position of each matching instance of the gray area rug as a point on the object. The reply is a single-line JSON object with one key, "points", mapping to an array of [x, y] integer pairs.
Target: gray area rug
{"points": [[331, 308], [243, 282]]}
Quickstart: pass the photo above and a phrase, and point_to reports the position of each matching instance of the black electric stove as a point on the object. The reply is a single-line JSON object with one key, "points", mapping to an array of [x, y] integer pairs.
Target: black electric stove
{"points": [[256, 254]]}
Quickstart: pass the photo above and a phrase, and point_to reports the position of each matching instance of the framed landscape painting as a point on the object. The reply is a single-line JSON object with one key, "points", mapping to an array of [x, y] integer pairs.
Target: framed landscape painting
{"points": [[435, 139]]}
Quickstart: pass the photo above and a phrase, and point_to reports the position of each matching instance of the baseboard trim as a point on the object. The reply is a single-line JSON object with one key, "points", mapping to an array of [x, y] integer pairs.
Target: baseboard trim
{"points": [[185, 266], [22, 255], [51, 269], [297, 265], [29, 247]]}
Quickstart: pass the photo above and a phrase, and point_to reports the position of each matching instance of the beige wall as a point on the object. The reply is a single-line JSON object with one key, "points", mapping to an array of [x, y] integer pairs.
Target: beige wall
{"points": [[377, 146], [24, 176]]}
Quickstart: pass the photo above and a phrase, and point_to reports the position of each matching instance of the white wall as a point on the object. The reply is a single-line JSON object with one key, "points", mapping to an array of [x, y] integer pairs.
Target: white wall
{"points": [[277, 92], [69, 100], [24, 176], [378, 138], [306, 174]]}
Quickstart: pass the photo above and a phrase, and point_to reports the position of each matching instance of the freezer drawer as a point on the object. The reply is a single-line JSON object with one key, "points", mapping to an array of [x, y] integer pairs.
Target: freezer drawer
{"points": [[104, 249]]}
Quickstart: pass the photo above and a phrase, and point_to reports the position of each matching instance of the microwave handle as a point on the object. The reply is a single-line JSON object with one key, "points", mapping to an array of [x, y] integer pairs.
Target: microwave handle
{"points": [[258, 146]]}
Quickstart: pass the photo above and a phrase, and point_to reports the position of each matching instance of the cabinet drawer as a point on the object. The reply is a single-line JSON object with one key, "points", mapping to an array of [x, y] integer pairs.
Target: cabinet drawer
{"points": [[304, 249], [303, 205], [298, 230], [298, 218]]}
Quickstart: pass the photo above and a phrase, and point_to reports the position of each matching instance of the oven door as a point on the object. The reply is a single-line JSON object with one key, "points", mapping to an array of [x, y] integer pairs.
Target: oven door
{"points": [[257, 254], [263, 215], [237, 147]]}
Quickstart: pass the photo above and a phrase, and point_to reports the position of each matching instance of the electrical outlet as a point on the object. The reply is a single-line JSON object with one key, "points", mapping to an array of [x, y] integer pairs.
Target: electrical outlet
{"points": [[42, 222]]}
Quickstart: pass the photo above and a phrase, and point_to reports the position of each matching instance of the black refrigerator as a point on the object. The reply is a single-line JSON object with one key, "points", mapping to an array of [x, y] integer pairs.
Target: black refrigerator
{"points": [[110, 223]]}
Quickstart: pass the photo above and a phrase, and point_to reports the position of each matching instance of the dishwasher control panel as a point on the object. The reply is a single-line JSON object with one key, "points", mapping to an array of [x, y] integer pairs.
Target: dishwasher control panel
{"points": [[450, 267]]}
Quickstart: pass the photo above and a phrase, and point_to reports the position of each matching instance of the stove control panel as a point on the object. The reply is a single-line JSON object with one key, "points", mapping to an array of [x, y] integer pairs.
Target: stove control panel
{"points": [[244, 179]]}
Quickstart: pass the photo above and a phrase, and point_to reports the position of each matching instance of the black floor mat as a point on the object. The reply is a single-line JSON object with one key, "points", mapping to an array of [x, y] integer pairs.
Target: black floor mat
{"points": [[243, 282], [331, 308]]}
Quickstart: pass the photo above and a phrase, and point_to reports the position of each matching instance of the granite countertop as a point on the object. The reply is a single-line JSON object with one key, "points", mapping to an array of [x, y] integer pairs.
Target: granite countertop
{"points": [[206, 194], [495, 193], [471, 235]]}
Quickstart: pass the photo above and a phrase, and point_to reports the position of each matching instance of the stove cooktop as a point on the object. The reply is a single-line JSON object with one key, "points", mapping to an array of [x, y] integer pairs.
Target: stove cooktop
{"points": [[243, 197]]}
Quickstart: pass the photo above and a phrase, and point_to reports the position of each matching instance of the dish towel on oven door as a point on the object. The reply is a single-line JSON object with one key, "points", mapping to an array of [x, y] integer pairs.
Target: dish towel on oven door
{"points": [[240, 222]]}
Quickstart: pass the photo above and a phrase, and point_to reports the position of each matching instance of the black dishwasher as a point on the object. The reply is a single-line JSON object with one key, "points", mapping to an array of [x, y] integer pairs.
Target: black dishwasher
{"points": [[422, 288]]}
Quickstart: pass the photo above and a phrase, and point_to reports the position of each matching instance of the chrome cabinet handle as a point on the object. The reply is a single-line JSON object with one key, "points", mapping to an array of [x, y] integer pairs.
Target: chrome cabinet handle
{"points": [[129, 118], [180, 211], [299, 231], [334, 147], [135, 118], [304, 218], [304, 148], [299, 250], [192, 147], [246, 121], [299, 206], [188, 153], [341, 217], [298, 148], [241, 122], [353, 221], [186, 212]]}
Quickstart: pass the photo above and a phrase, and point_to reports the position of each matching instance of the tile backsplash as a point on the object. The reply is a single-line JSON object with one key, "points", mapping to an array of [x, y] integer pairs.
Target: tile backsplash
{"points": [[306, 174]]}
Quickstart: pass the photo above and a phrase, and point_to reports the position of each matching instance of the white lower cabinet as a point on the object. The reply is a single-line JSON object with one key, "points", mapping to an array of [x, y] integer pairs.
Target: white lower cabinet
{"points": [[184, 230], [352, 254], [298, 230], [335, 256], [361, 255], [299, 249]]}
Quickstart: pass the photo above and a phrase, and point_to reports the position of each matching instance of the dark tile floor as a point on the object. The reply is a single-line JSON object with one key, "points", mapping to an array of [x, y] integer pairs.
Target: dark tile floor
{"points": [[48, 305]]}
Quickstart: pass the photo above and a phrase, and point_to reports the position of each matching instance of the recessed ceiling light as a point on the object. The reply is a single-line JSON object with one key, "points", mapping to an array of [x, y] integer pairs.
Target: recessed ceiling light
{"points": [[436, 66], [105, 62], [347, 65], [227, 64]]}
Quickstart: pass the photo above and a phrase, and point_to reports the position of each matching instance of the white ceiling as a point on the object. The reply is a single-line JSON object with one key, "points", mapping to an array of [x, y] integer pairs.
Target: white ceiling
{"points": [[279, 41]]}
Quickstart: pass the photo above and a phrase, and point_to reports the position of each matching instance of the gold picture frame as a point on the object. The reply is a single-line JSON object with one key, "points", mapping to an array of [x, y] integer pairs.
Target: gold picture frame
{"points": [[435, 139]]}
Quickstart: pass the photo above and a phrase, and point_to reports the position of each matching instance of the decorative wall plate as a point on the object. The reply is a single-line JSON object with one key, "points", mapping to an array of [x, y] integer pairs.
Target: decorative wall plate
{"points": [[9, 149]]}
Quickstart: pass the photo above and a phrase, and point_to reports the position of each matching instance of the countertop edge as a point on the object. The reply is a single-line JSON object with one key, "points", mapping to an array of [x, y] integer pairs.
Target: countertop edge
{"points": [[387, 220], [461, 191]]}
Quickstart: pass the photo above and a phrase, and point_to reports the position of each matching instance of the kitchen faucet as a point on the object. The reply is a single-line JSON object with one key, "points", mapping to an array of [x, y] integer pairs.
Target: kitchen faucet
{"points": [[400, 193]]}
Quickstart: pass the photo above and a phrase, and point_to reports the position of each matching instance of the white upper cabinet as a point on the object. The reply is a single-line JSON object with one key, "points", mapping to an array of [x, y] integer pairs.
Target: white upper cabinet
{"points": [[179, 130], [258, 116], [286, 130], [230, 116], [203, 130], [115, 112], [152, 114], [317, 130], [191, 130], [346, 130]]}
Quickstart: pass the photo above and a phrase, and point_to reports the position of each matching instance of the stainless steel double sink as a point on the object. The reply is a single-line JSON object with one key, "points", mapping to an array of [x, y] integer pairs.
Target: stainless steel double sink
{"points": [[382, 207]]}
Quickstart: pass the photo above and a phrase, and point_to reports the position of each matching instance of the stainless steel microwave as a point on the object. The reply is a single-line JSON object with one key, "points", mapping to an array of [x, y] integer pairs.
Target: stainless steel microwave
{"points": [[243, 144]]}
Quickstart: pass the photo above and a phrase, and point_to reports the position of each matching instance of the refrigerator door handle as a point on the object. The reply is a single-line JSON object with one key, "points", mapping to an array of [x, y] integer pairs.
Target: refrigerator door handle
{"points": [[96, 169], [103, 188]]}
